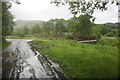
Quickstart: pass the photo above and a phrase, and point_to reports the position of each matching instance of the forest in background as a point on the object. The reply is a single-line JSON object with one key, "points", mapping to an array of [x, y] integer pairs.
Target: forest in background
{"points": [[77, 26]]}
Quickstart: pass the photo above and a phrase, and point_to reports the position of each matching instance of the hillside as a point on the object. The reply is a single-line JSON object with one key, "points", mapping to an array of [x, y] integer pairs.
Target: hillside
{"points": [[29, 23]]}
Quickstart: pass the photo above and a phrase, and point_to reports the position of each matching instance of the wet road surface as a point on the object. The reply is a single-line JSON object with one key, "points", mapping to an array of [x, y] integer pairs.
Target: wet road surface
{"points": [[21, 61]]}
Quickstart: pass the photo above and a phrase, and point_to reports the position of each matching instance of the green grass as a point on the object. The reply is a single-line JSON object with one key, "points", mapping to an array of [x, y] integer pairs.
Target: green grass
{"points": [[79, 60], [5, 44], [22, 38]]}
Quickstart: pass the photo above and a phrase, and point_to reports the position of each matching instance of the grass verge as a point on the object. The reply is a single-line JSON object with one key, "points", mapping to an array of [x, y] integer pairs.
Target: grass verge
{"points": [[79, 60], [22, 38], [5, 44]]}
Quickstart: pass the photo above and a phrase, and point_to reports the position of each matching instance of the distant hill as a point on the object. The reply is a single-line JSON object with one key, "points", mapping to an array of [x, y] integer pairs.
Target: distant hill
{"points": [[111, 25], [19, 21], [28, 23]]}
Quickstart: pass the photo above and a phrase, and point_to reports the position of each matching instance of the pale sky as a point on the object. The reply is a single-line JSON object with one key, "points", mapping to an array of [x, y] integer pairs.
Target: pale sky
{"points": [[43, 10]]}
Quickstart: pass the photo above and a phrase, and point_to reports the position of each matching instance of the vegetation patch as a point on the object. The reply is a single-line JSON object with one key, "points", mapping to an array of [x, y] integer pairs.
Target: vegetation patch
{"points": [[108, 41], [79, 60], [5, 43]]}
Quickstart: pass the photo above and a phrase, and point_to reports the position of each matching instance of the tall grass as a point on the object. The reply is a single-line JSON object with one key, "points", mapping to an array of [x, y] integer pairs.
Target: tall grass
{"points": [[79, 60]]}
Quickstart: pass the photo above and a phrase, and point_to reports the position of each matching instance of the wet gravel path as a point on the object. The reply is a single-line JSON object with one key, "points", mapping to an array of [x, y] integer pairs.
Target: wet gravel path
{"points": [[20, 61]]}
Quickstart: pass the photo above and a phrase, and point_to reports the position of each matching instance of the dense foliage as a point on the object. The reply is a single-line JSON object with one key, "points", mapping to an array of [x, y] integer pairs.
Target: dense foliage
{"points": [[7, 19], [60, 27], [108, 41], [80, 25], [77, 6]]}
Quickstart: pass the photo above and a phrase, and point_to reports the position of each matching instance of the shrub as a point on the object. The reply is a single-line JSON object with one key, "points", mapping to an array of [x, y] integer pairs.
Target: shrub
{"points": [[110, 34], [108, 41]]}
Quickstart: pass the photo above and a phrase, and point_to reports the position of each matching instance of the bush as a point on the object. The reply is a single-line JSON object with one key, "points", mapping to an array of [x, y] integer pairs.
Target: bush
{"points": [[110, 42], [110, 34]]}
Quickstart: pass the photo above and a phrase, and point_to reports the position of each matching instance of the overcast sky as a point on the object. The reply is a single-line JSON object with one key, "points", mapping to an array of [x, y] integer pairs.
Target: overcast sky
{"points": [[43, 10]]}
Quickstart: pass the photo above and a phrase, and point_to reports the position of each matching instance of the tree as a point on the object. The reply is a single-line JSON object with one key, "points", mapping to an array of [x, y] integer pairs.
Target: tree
{"points": [[47, 28], [7, 18], [82, 6], [100, 29], [19, 32], [26, 30], [80, 25], [96, 30], [71, 27], [35, 29], [58, 26], [0, 20]]}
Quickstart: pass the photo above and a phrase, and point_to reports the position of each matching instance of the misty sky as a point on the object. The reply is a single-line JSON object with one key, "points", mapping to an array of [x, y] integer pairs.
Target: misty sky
{"points": [[43, 10]]}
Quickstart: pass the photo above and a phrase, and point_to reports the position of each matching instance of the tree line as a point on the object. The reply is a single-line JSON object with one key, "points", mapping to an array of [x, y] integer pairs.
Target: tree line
{"points": [[77, 26]]}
